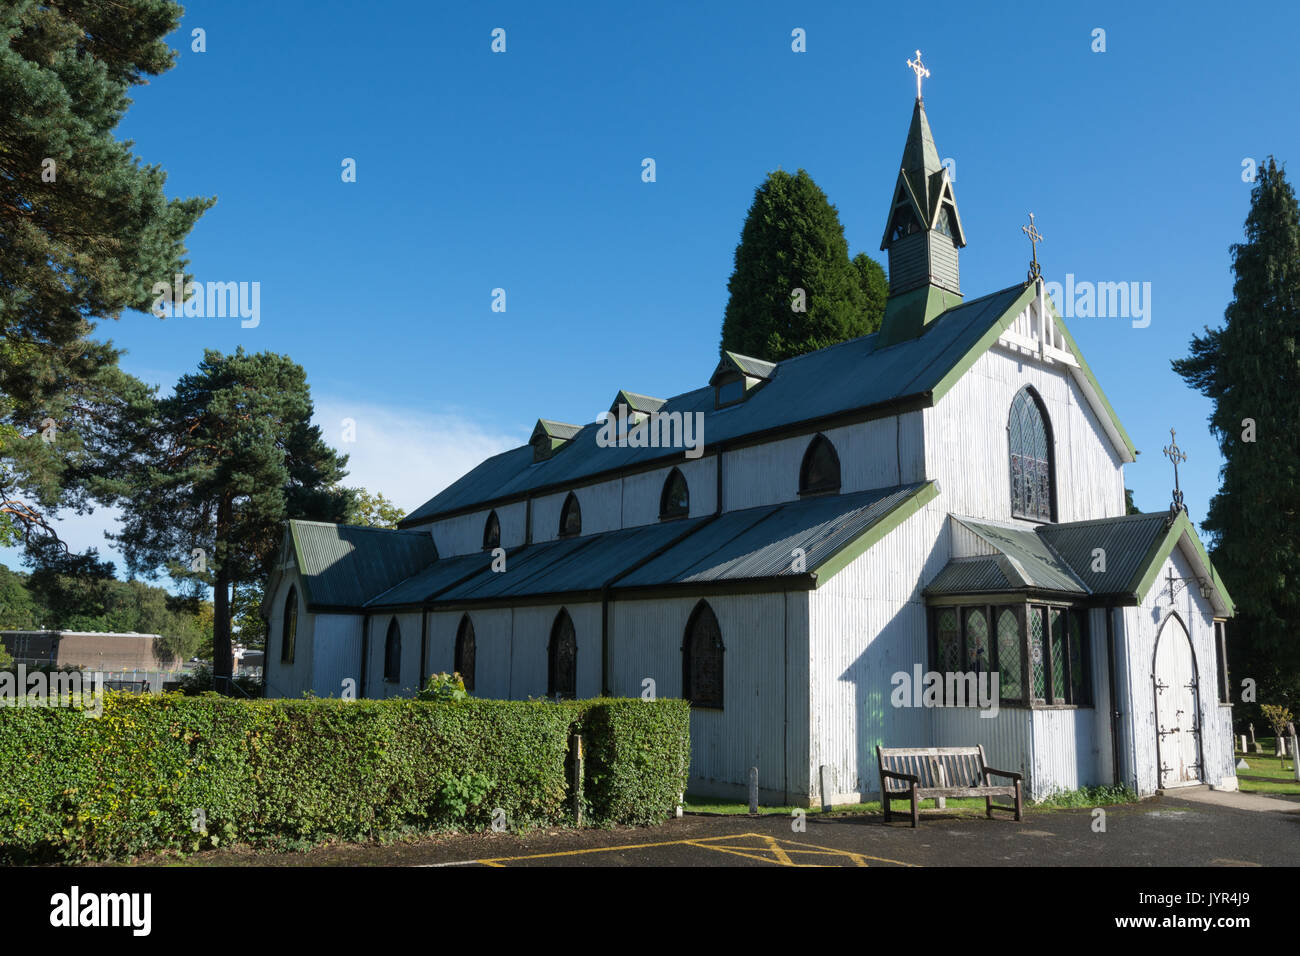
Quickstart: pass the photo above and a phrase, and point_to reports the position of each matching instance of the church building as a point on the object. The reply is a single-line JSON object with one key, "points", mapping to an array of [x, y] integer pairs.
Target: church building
{"points": [[857, 536]]}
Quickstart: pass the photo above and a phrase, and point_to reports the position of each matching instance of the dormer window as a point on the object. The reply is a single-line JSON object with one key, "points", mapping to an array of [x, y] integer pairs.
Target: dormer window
{"points": [[549, 437], [737, 377]]}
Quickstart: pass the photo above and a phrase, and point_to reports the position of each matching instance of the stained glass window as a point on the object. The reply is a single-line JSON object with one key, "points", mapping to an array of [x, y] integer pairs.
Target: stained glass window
{"points": [[1031, 458], [570, 517], [491, 532], [702, 653], [1057, 618], [1009, 655], [949, 641], [1037, 653], [465, 651], [393, 653], [675, 501], [821, 467], [977, 641], [1080, 691], [289, 631], [562, 659]]}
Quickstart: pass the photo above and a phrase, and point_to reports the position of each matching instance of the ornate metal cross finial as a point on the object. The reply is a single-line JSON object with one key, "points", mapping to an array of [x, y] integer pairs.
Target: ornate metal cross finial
{"points": [[1176, 455], [919, 69], [1035, 237]]}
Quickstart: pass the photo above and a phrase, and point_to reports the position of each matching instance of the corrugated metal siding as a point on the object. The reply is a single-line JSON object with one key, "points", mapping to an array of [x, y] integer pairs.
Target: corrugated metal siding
{"points": [[908, 263], [967, 448], [337, 654], [601, 507], [866, 624], [289, 680], [408, 684], [434, 579], [1008, 738], [750, 730], [642, 492], [970, 576], [943, 261], [966, 543], [1126, 541], [1065, 751], [1137, 656]]}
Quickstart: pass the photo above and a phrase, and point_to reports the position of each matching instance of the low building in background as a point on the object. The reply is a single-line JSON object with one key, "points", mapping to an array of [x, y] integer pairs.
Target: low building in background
{"points": [[128, 661]]}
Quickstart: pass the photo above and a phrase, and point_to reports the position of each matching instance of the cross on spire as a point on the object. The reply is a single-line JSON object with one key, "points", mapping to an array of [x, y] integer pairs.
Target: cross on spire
{"points": [[919, 69], [1035, 237], [1176, 455]]}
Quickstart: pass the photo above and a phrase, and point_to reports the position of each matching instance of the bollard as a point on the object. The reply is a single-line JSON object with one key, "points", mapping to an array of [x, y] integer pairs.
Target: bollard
{"points": [[826, 787], [1295, 746], [577, 778], [753, 791]]}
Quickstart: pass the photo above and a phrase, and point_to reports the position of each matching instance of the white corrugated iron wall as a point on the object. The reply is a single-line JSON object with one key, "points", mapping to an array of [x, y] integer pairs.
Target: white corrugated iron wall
{"points": [[967, 442], [866, 624], [532, 635], [408, 683], [491, 648], [641, 492], [1141, 626], [290, 680], [463, 534], [763, 702], [336, 645], [601, 506]]}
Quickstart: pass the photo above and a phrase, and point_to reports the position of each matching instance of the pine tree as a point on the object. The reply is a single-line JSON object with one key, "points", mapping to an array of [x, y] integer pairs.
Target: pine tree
{"points": [[231, 456], [794, 289], [85, 230], [1250, 370]]}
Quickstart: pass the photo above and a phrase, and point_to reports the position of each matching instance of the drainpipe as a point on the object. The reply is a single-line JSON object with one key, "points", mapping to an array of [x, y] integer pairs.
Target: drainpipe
{"points": [[1114, 695], [604, 640], [424, 634], [365, 648]]}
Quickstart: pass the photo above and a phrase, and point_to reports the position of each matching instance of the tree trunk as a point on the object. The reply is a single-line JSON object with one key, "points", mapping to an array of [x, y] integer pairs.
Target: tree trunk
{"points": [[222, 663]]}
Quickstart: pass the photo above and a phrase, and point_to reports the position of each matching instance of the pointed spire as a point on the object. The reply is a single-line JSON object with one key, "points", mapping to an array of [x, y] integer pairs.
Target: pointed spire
{"points": [[923, 233]]}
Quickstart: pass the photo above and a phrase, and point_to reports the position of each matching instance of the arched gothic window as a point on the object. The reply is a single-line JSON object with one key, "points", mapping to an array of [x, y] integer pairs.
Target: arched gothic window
{"points": [[465, 649], [702, 651], [393, 653], [1032, 474], [675, 501], [289, 629], [570, 517], [491, 532], [562, 659], [821, 467]]}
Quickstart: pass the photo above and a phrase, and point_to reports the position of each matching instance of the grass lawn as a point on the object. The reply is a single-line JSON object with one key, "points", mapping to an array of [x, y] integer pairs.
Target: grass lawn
{"points": [[1087, 797], [1266, 774]]}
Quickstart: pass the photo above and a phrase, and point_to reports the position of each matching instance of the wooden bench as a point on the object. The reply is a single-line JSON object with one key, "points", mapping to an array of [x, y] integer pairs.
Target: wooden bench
{"points": [[924, 773]]}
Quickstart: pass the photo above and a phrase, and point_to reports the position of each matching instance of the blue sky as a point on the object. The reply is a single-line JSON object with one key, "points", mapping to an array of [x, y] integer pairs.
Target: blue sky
{"points": [[522, 171]]}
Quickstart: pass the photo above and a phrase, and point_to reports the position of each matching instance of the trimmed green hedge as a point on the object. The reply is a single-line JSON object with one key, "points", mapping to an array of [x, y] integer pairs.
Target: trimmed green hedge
{"points": [[180, 772]]}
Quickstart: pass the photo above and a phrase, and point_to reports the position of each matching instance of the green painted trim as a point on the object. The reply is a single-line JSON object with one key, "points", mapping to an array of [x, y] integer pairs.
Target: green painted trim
{"points": [[871, 535], [308, 600], [986, 342], [1092, 379], [1164, 547], [908, 313]]}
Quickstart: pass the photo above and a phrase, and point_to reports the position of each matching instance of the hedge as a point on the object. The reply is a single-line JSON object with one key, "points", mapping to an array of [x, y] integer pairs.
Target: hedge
{"points": [[175, 772]]}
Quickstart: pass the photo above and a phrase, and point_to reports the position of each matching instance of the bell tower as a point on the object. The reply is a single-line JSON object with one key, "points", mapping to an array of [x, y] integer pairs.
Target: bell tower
{"points": [[922, 233]]}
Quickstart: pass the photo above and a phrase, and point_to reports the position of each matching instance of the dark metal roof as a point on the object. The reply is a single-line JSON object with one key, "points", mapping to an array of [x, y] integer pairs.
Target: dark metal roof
{"points": [[760, 542], [344, 565], [1127, 543], [845, 377], [971, 576], [437, 577], [1030, 558]]}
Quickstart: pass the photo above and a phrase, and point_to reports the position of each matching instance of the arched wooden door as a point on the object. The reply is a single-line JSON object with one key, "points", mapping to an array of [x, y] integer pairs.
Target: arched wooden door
{"points": [[1178, 711]]}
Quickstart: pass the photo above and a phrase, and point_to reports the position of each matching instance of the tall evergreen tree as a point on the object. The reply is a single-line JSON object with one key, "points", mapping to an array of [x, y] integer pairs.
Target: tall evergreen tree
{"points": [[1250, 369], [85, 228], [231, 455], [793, 240]]}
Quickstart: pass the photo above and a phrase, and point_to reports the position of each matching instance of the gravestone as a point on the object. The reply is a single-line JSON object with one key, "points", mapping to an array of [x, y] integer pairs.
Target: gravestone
{"points": [[1255, 745], [1242, 748], [1241, 764]]}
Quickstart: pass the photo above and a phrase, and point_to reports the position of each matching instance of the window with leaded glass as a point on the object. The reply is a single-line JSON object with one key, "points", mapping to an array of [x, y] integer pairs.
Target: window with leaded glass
{"points": [[948, 640], [393, 653], [702, 652], [570, 517], [562, 659], [675, 500], [491, 532], [1056, 620], [1030, 443], [1080, 689], [465, 651], [1038, 652], [820, 470], [977, 640], [289, 628], [1010, 655]]}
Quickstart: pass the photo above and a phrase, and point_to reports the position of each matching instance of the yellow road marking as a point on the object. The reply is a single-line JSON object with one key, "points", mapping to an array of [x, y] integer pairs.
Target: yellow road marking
{"points": [[781, 851]]}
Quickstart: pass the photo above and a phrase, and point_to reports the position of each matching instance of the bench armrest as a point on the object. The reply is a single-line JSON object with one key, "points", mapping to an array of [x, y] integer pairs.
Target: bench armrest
{"points": [[1013, 774], [907, 777]]}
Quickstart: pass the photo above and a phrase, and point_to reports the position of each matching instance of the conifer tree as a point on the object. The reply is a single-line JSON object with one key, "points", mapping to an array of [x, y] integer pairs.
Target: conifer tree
{"points": [[794, 288], [1250, 369]]}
